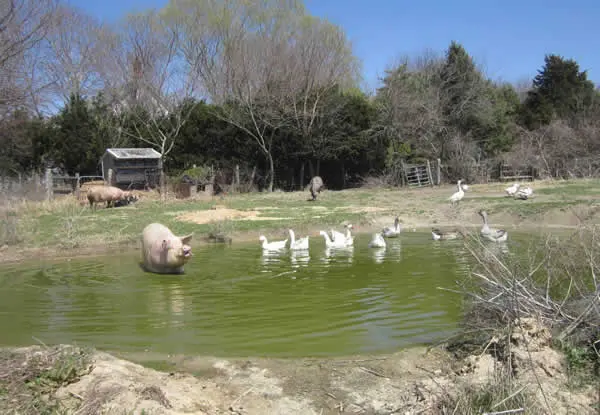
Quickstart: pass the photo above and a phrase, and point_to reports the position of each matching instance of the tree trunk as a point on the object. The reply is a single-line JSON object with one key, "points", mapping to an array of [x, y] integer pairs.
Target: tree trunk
{"points": [[271, 171], [302, 177], [311, 169]]}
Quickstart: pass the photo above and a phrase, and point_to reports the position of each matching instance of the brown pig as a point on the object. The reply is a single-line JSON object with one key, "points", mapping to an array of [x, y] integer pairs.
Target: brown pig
{"points": [[162, 251], [108, 194]]}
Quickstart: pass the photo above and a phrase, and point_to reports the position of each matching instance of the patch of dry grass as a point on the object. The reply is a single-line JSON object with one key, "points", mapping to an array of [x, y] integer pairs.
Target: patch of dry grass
{"points": [[500, 394], [29, 377]]}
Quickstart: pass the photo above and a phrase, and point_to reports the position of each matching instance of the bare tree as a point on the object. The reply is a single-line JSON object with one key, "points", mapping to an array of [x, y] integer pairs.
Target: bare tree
{"points": [[423, 102], [23, 26], [411, 104], [322, 61], [144, 79], [268, 64], [74, 44]]}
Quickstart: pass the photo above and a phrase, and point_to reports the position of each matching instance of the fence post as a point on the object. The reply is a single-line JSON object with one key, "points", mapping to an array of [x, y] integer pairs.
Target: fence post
{"points": [[237, 178], [439, 172], [110, 177], [36, 181], [402, 174], [429, 173], [77, 186], [49, 185]]}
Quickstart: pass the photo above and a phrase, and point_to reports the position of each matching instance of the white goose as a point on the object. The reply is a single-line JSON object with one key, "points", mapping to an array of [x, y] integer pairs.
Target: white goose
{"points": [[457, 196], [523, 193], [272, 246], [511, 190], [392, 232], [491, 234], [298, 244], [335, 243], [347, 237], [378, 241]]}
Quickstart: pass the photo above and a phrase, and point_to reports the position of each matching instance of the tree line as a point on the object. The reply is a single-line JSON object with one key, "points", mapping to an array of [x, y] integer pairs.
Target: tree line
{"points": [[272, 89]]}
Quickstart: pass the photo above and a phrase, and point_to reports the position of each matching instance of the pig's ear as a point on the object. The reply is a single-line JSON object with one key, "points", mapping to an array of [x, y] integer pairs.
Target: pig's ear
{"points": [[165, 244], [186, 239]]}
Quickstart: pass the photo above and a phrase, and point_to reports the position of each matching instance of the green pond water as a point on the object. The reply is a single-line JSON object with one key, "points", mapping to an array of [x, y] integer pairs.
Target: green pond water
{"points": [[236, 301]]}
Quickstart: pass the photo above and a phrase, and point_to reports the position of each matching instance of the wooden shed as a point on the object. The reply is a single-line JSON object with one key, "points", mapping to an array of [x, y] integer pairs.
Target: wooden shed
{"points": [[131, 167]]}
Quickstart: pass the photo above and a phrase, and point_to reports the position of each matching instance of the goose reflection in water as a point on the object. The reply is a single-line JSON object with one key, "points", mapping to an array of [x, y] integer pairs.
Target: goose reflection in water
{"points": [[338, 254], [496, 249], [271, 257], [300, 258], [378, 254], [393, 251]]}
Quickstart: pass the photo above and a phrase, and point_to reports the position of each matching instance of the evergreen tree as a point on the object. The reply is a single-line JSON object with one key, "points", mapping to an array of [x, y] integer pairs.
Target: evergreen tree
{"points": [[75, 145], [560, 91]]}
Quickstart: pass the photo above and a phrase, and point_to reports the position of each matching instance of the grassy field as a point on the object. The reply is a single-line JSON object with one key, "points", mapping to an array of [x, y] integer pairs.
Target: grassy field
{"points": [[65, 224], [551, 336]]}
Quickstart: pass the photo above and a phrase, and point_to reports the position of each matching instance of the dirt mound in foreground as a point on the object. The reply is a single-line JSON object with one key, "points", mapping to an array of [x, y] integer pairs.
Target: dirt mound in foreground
{"points": [[530, 374]]}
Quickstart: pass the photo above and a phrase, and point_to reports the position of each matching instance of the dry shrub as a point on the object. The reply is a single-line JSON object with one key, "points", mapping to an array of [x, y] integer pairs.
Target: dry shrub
{"points": [[10, 230], [551, 279], [545, 287], [377, 182], [30, 377], [497, 395], [558, 150]]}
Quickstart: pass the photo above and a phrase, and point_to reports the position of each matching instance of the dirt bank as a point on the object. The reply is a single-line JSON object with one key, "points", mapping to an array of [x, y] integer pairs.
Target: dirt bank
{"points": [[415, 381]]}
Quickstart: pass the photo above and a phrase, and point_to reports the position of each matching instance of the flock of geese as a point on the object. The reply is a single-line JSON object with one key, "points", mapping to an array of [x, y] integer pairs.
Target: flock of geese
{"points": [[333, 239], [336, 239]]}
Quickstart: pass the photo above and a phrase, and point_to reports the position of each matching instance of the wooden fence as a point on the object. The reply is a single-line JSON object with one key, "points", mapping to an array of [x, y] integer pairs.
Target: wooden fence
{"points": [[42, 186], [420, 175]]}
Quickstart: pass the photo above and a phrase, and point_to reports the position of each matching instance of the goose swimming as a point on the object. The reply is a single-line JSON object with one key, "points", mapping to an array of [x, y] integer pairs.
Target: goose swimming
{"points": [[347, 237], [272, 246], [443, 236], [392, 231], [491, 234], [378, 241], [297, 244], [335, 243]]}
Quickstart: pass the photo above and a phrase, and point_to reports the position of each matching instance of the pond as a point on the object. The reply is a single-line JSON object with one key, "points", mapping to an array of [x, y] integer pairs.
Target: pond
{"points": [[236, 301]]}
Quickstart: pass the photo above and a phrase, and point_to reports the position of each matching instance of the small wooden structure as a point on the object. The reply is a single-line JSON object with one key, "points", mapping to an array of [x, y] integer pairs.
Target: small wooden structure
{"points": [[417, 175], [131, 167], [520, 173]]}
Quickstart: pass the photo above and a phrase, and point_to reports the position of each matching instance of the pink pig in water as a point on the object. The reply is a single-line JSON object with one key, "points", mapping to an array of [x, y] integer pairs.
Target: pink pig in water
{"points": [[162, 251]]}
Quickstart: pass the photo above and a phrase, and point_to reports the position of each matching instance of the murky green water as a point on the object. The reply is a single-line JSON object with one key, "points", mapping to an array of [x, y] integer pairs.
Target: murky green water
{"points": [[235, 301]]}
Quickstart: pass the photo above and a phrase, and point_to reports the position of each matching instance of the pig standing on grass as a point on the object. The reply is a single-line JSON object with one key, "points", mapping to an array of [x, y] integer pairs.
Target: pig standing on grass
{"points": [[316, 185], [162, 251], [108, 194]]}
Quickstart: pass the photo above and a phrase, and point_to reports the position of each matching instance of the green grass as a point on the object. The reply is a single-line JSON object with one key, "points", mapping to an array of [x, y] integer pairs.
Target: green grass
{"points": [[66, 225], [572, 188]]}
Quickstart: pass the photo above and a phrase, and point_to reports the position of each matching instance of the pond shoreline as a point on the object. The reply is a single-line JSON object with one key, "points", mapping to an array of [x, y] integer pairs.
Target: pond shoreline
{"points": [[16, 254], [415, 380]]}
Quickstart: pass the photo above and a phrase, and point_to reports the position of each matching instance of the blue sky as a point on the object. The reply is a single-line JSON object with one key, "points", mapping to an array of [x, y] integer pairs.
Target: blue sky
{"points": [[509, 38]]}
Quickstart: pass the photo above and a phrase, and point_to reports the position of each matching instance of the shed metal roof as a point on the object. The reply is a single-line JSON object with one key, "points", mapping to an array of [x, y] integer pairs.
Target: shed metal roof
{"points": [[133, 153]]}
